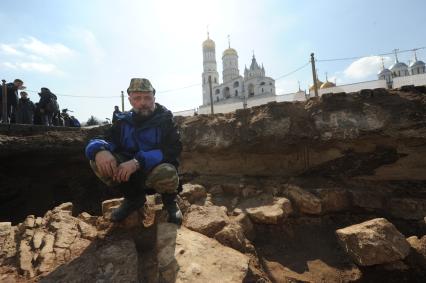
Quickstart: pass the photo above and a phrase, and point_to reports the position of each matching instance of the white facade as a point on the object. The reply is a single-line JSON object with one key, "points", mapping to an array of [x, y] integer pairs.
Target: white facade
{"points": [[300, 96], [416, 80], [230, 65], [234, 86], [398, 75], [351, 87], [189, 112], [235, 103], [209, 68], [255, 88]]}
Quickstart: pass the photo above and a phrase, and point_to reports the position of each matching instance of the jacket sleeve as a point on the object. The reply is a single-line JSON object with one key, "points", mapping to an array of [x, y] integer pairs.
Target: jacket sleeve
{"points": [[98, 144], [12, 97]]}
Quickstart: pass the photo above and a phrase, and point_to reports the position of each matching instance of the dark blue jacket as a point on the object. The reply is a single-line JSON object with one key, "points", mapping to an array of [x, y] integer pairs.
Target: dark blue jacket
{"points": [[74, 122], [25, 111], [151, 140]]}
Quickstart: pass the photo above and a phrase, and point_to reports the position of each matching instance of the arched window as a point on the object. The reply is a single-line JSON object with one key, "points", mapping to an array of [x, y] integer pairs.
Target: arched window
{"points": [[251, 89], [262, 89], [217, 98], [226, 93], [236, 84], [236, 92], [262, 83], [215, 80], [217, 91]]}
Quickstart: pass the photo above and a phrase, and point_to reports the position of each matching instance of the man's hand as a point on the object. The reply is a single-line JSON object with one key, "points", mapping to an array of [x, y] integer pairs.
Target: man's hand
{"points": [[124, 171], [106, 163]]}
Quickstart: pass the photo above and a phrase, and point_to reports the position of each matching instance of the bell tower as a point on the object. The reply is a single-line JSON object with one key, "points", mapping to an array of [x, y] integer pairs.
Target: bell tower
{"points": [[209, 68]]}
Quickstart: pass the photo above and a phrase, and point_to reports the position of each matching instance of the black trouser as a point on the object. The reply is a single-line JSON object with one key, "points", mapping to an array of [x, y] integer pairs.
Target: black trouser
{"points": [[134, 188]]}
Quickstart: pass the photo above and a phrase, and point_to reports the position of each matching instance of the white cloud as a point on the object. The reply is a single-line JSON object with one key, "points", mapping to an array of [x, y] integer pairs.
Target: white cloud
{"points": [[37, 47], [365, 67], [9, 65], [33, 66], [10, 50], [31, 54]]}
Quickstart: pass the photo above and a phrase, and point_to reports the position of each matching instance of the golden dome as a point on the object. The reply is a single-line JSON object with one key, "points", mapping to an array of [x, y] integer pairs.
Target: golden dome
{"points": [[327, 84], [230, 51], [208, 43], [319, 84]]}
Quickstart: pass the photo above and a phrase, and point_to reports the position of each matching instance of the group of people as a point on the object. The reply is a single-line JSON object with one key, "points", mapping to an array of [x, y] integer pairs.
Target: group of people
{"points": [[24, 111]]}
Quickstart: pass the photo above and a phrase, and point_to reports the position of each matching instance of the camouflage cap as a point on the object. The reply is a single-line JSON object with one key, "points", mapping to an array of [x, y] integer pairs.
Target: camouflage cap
{"points": [[140, 84]]}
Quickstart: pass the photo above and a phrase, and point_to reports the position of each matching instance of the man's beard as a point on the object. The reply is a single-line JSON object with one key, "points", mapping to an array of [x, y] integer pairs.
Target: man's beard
{"points": [[143, 112]]}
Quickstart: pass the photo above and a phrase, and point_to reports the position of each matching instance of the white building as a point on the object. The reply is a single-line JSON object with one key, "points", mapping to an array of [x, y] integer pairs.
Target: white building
{"points": [[398, 75], [234, 89], [237, 92]]}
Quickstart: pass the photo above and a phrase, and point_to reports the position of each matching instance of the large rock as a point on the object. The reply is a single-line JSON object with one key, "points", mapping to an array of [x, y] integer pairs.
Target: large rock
{"points": [[268, 210], [115, 262], [207, 220], [29, 221], [42, 244], [304, 201], [243, 220], [418, 254], [87, 231], [7, 241], [25, 259], [89, 219], [109, 205], [376, 241], [187, 256], [38, 239], [232, 236], [66, 206], [193, 192]]}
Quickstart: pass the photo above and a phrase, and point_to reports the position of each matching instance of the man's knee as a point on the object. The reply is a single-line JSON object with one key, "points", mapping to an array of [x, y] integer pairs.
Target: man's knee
{"points": [[163, 179], [105, 179]]}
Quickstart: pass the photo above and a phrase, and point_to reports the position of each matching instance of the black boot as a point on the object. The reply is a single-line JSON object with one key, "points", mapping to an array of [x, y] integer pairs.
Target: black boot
{"points": [[170, 204], [127, 207]]}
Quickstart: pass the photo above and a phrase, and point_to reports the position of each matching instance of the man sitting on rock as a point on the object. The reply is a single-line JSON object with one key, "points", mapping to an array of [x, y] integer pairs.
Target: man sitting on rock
{"points": [[140, 153]]}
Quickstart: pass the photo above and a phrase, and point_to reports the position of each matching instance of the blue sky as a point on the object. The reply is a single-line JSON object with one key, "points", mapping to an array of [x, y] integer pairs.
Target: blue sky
{"points": [[93, 48]]}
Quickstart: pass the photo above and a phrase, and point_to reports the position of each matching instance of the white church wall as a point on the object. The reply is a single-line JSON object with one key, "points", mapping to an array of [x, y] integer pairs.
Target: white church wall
{"points": [[259, 101], [285, 97], [189, 112], [417, 80], [221, 108], [299, 96], [237, 103], [351, 87]]}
